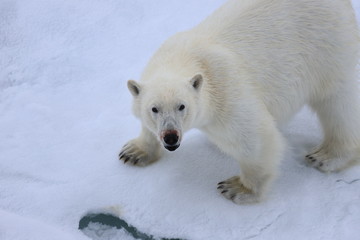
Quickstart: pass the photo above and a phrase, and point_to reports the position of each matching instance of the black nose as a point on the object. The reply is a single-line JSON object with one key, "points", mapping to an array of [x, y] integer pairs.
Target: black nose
{"points": [[171, 139]]}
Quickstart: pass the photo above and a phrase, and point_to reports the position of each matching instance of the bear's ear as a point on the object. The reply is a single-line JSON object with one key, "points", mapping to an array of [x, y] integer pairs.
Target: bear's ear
{"points": [[197, 81], [134, 88]]}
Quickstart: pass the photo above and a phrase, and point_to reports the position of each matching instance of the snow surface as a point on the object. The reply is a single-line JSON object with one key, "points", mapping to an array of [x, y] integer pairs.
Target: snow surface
{"points": [[65, 113]]}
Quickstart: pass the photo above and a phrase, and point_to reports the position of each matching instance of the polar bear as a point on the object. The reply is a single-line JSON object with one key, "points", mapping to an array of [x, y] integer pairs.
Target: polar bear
{"points": [[243, 72]]}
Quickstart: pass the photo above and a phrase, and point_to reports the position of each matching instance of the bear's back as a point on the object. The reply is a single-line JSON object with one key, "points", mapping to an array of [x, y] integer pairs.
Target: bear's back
{"points": [[295, 51]]}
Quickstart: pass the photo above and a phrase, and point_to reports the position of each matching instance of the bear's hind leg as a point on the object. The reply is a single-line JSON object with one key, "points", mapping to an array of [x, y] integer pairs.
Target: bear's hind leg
{"points": [[340, 118]]}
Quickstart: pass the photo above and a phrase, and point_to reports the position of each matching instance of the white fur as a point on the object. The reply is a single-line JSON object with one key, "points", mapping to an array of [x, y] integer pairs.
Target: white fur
{"points": [[257, 63]]}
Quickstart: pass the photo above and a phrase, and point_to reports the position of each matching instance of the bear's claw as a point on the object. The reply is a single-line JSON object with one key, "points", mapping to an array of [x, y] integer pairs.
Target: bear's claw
{"points": [[319, 163], [326, 161], [235, 191], [133, 155]]}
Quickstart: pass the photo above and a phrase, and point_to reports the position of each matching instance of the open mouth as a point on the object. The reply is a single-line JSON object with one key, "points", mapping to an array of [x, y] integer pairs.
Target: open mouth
{"points": [[172, 147]]}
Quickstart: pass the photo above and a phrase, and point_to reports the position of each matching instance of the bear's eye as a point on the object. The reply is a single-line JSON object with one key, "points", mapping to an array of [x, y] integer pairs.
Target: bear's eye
{"points": [[182, 107], [154, 110]]}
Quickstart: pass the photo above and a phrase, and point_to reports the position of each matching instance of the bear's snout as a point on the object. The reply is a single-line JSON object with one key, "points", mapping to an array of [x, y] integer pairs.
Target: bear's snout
{"points": [[171, 140]]}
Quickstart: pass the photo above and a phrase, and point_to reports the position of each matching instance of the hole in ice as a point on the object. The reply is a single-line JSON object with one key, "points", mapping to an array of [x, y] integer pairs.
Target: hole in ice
{"points": [[99, 226]]}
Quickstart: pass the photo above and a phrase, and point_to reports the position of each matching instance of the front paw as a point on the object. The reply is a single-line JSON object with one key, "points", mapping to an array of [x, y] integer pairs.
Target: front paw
{"points": [[234, 190], [133, 154]]}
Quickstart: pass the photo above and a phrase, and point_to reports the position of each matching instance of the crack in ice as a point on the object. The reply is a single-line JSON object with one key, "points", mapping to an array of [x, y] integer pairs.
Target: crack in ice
{"points": [[348, 182], [265, 227]]}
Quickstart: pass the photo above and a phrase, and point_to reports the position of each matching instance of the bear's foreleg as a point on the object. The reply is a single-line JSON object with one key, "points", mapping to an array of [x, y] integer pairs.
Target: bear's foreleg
{"points": [[259, 150], [141, 151]]}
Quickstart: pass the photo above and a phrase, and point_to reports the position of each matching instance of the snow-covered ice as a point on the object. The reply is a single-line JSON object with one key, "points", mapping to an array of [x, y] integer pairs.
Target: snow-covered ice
{"points": [[65, 113]]}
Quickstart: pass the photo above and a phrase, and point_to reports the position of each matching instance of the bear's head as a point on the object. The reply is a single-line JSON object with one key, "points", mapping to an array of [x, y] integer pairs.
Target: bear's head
{"points": [[167, 107]]}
